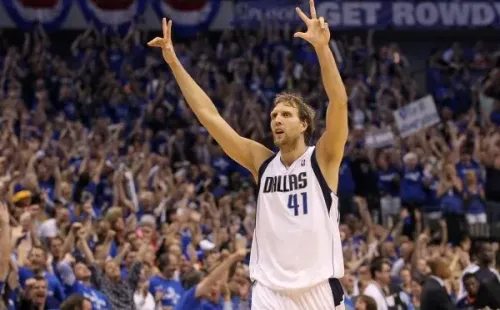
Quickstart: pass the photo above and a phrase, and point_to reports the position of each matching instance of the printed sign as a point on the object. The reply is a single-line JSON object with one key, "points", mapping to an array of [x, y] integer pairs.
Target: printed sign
{"points": [[379, 138], [416, 116], [374, 14]]}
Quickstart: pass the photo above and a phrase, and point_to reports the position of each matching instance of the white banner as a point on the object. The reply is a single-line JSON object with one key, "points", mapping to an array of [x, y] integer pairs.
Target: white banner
{"points": [[379, 138], [416, 116]]}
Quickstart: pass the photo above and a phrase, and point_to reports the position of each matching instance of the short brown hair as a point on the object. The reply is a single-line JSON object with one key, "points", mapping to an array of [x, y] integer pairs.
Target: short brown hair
{"points": [[306, 113], [371, 304], [73, 302]]}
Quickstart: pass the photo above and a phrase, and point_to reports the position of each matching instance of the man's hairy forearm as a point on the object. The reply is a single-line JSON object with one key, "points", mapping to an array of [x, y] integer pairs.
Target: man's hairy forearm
{"points": [[332, 81], [6, 251], [196, 98]]}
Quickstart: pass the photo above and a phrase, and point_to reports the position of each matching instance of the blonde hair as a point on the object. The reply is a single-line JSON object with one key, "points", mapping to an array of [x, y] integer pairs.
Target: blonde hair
{"points": [[306, 113]]}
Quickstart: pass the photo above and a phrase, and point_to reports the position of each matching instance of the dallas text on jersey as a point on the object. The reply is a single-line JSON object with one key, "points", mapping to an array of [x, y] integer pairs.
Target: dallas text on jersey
{"points": [[285, 183]]}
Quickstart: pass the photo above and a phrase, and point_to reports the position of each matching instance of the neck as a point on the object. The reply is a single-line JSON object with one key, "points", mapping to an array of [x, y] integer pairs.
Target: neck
{"points": [[290, 153]]}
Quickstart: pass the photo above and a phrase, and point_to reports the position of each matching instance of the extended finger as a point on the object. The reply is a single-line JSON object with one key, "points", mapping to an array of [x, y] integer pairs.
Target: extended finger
{"points": [[302, 15], [164, 27], [156, 42], [322, 22], [313, 9], [169, 30], [300, 35]]}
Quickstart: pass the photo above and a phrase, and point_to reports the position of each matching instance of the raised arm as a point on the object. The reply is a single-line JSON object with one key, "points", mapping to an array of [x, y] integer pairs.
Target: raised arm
{"points": [[5, 242], [330, 147], [246, 152], [207, 283]]}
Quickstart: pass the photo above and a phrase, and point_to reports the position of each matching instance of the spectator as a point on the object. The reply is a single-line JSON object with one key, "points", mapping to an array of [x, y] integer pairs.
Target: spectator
{"points": [[434, 294], [380, 288], [478, 296], [164, 287], [35, 294], [365, 302], [76, 302], [37, 262], [119, 293], [206, 294]]}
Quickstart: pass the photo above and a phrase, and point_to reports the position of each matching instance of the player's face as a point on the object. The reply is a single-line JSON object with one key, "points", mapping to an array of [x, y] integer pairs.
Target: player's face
{"points": [[286, 125]]}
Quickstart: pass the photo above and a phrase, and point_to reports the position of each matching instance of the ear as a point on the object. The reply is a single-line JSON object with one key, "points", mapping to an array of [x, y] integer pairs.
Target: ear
{"points": [[304, 126]]}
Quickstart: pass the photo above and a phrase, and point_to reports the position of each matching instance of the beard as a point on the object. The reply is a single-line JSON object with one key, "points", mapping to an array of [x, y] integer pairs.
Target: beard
{"points": [[286, 141]]}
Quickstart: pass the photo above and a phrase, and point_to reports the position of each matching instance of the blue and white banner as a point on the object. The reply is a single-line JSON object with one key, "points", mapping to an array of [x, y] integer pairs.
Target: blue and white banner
{"points": [[114, 14], [374, 14], [49, 13], [380, 138], [417, 115], [188, 17]]}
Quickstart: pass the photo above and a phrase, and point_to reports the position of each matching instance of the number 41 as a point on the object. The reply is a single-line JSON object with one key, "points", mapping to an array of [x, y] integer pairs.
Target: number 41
{"points": [[294, 204]]}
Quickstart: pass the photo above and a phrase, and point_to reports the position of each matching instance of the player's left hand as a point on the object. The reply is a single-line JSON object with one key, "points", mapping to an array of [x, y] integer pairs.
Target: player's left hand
{"points": [[318, 33]]}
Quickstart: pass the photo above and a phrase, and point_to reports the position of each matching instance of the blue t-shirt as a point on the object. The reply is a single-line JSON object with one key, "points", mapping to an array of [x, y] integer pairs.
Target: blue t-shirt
{"points": [[346, 180], [475, 204], [451, 202], [464, 168], [55, 291], [171, 289], [411, 186], [98, 299], [432, 202], [190, 302], [388, 181]]}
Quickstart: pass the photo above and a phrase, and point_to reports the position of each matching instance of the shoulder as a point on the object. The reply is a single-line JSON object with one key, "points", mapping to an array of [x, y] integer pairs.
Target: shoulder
{"points": [[371, 290], [189, 300], [265, 164]]}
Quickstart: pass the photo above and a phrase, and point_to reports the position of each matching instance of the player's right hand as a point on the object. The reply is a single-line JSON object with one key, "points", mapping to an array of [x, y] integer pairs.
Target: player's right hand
{"points": [[165, 43]]}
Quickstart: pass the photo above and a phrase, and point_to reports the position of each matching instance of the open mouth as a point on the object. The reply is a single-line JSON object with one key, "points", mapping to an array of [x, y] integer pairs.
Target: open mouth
{"points": [[278, 131]]}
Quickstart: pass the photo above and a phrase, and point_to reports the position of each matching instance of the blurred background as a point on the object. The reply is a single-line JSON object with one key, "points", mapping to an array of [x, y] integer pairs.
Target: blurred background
{"points": [[97, 143]]}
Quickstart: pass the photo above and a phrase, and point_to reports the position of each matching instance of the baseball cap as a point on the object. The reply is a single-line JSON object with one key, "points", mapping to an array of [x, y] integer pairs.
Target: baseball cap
{"points": [[21, 195], [206, 245]]}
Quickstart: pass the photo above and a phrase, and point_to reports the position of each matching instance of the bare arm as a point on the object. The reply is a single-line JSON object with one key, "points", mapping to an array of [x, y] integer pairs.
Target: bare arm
{"points": [[247, 153], [206, 284], [330, 147], [5, 242]]}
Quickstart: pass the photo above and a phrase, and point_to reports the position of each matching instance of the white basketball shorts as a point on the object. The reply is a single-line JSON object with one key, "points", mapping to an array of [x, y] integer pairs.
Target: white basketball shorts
{"points": [[327, 295]]}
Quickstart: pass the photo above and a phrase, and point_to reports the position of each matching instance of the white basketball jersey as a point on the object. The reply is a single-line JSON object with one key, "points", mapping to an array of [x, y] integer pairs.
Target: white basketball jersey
{"points": [[296, 242]]}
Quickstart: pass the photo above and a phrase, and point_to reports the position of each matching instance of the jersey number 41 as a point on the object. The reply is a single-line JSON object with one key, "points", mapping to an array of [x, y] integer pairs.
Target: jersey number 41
{"points": [[293, 203]]}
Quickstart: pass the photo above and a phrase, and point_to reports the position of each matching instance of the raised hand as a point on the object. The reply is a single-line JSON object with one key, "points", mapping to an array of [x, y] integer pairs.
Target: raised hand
{"points": [[240, 254], [318, 33], [4, 215], [165, 43]]}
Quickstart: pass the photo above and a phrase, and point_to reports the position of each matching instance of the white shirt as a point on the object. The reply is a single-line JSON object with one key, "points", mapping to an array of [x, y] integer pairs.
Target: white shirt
{"points": [[296, 242], [375, 291], [144, 303], [48, 229]]}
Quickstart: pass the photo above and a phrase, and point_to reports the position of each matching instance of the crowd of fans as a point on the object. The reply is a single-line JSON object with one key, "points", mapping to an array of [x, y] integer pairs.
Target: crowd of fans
{"points": [[113, 192]]}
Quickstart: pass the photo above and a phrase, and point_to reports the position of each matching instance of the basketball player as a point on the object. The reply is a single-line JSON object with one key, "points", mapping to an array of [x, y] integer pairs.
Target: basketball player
{"points": [[296, 255]]}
